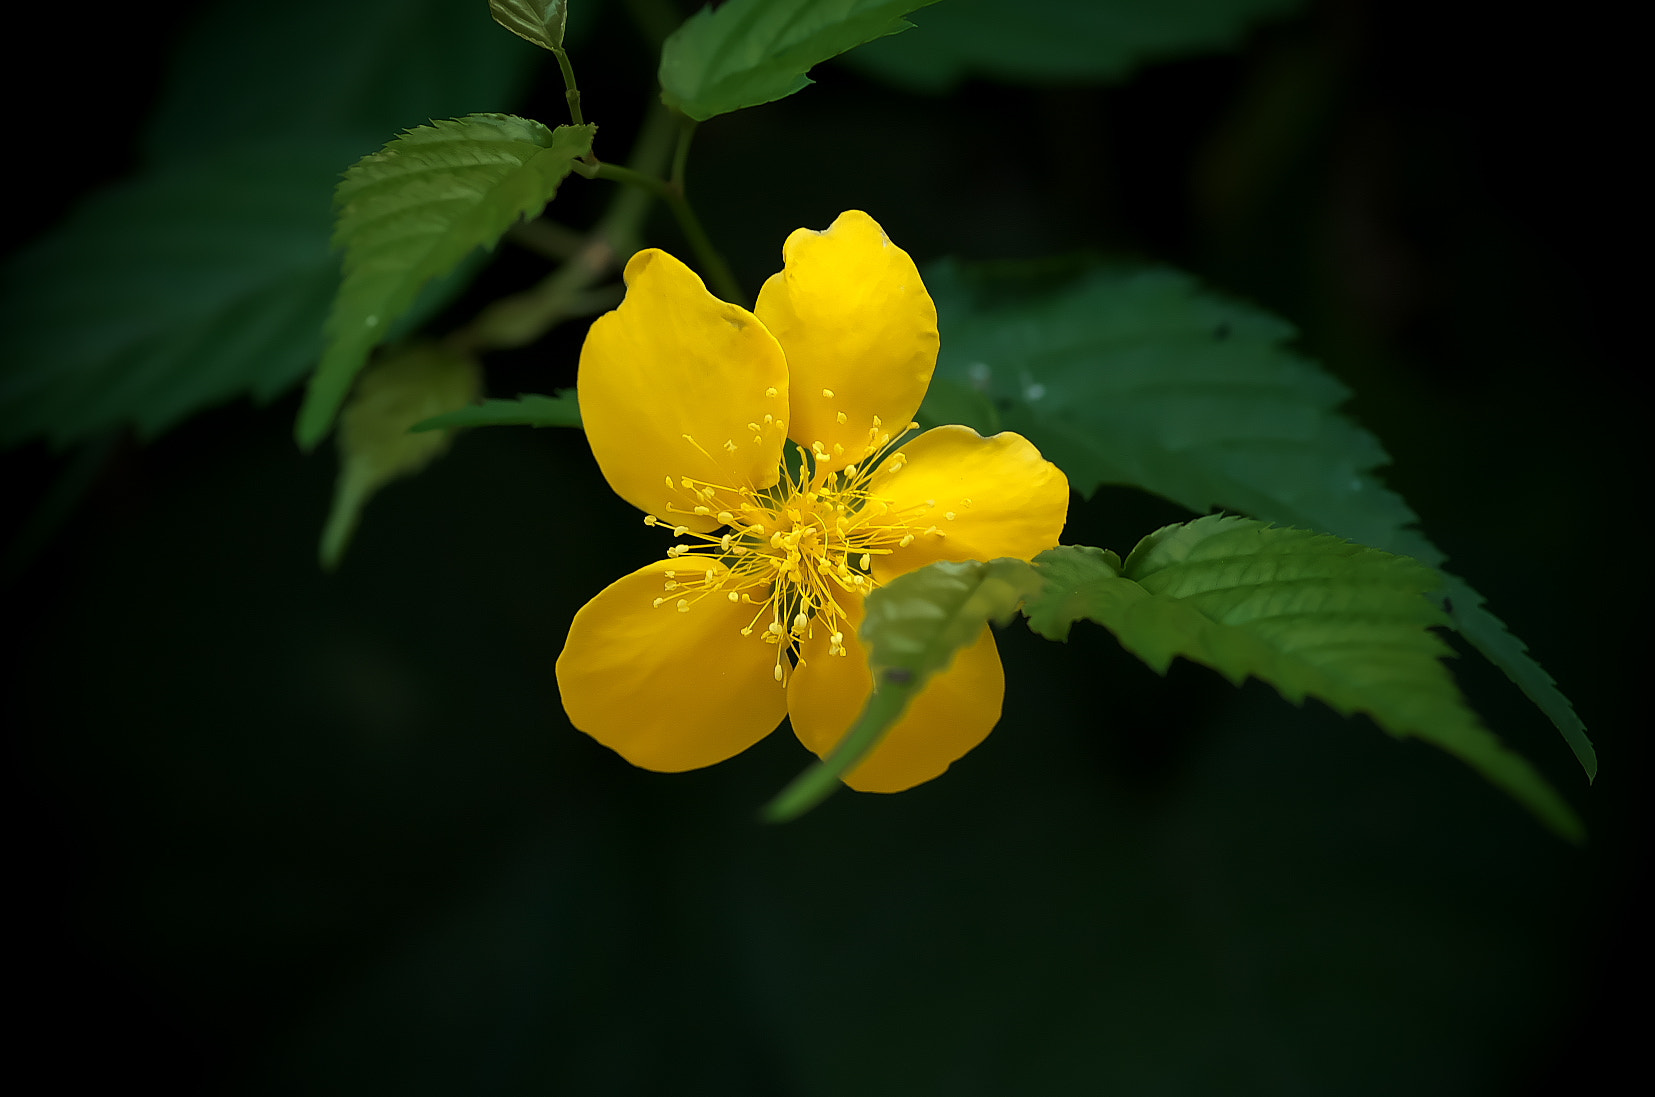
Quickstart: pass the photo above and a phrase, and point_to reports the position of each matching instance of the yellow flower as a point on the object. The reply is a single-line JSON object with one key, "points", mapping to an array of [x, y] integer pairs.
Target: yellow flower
{"points": [[689, 404]]}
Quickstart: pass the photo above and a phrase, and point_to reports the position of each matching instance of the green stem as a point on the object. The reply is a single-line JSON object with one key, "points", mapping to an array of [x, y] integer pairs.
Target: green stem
{"points": [[522, 318], [571, 93], [681, 154], [885, 706], [671, 191]]}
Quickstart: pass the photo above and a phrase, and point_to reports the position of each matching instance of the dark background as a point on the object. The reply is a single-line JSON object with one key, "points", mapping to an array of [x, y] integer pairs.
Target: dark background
{"points": [[282, 832]]}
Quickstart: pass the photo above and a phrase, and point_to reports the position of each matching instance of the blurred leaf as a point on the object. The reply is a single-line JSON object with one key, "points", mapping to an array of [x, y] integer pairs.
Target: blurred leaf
{"points": [[1054, 41], [1137, 376], [363, 70], [208, 276], [538, 21], [171, 293], [525, 411], [375, 444], [1309, 614], [914, 625], [413, 211], [748, 52]]}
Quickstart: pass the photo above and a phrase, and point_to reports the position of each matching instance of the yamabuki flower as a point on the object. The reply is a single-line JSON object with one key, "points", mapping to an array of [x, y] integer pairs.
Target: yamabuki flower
{"points": [[691, 406]]}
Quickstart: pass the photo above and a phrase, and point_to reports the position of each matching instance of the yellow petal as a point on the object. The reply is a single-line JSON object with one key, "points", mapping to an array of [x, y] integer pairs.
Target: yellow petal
{"points": [[676, 383], [953, 713], [667, 689], [860, 332], [987, 497]]}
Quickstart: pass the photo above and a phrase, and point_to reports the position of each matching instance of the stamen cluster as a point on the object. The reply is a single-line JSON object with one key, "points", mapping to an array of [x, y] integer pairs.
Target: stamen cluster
{"points": [[791, 550]]}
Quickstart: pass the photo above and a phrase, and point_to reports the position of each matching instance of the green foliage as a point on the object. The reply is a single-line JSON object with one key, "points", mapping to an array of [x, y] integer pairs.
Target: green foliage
{"points": [[207, 276], [318, 67], [914, 625], [748, 52], [539, 21], [413, 211], [1136, 376], [375, 444], [1310, 614], [196, 283], [561, 410], [1052, 41]]}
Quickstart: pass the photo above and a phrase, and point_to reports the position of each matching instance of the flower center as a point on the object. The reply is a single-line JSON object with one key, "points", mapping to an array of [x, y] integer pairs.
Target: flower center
{"points": [[797, 552]]}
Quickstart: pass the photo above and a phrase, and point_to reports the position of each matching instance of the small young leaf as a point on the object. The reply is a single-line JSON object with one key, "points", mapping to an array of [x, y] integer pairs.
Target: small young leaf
{"points": [[1310, 614], [1138, 376], [538, 21], [525, 411], [413, 211], [375, 444], [748, 52], [914, 625]]}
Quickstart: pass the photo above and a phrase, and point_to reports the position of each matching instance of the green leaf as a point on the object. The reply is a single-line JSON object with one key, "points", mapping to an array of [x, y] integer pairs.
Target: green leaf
{"points": [[413, 211], [207, 276], [1059, 41], [322, 69], [201, 281], [1137, 376], [561, 410], [538, 21], [1310, 614], [748, 52], [375, 444], [913, 626]]}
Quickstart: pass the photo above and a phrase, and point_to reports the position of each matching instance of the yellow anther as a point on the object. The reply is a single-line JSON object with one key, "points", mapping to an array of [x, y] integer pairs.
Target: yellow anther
{"points": [[729, 446], [670, 584], [842, 418], [683, 605], [709, 575], [725, 517], [949, 516], [867, 561], [770, 391], [703, 510], [778, 672], [747, 630], [679, 531], [734, 597], [657, 602], [907, 539], [828, 393], [650, 519]]}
